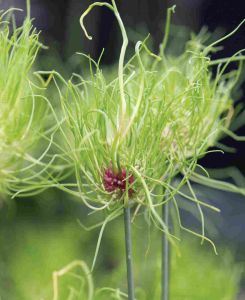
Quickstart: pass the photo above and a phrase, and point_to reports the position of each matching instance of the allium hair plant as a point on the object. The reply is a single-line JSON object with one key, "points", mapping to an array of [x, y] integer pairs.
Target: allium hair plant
{"points": [[24, 113], [127, 138]]}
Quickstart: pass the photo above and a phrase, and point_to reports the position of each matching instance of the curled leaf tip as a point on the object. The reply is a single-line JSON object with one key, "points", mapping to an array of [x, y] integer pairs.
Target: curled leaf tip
{"points": [[173, 8]]}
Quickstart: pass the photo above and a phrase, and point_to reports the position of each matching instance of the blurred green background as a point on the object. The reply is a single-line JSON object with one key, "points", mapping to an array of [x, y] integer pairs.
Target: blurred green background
{"points": [[42, 235]]}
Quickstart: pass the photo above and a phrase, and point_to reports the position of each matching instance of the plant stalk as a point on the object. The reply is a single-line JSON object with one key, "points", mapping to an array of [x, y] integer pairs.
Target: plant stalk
{"points": [[165, 255], [129, 254]]}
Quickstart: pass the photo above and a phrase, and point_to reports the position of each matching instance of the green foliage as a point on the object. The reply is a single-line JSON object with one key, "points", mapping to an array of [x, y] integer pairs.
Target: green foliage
{"points": [[22, 105]]}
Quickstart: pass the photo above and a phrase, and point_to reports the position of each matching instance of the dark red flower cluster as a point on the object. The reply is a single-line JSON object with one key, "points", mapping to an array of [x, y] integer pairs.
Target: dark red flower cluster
{"points": [[117, 181]]}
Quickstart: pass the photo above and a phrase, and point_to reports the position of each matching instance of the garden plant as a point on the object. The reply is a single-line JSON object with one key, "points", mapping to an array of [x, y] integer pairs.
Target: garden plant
{"points": [[24, 117], [118, 145]]}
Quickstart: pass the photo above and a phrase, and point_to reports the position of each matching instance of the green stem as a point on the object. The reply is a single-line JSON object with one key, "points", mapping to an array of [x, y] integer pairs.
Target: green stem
{"points": [[28, 8], [167, 28], [121, 60], [165, 255], [224, 60], [208, 48], [166, 35], [129, 254]]}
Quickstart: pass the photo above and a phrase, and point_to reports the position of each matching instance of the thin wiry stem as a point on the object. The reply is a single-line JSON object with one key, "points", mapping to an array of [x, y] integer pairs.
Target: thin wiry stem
{"points": [[28, 9], [129, 254], [165, 255]]}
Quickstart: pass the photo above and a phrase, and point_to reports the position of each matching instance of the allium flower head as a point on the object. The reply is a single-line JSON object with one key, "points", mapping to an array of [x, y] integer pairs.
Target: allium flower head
{"points": [[23, 109], [116, 181], [156, 118]]}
